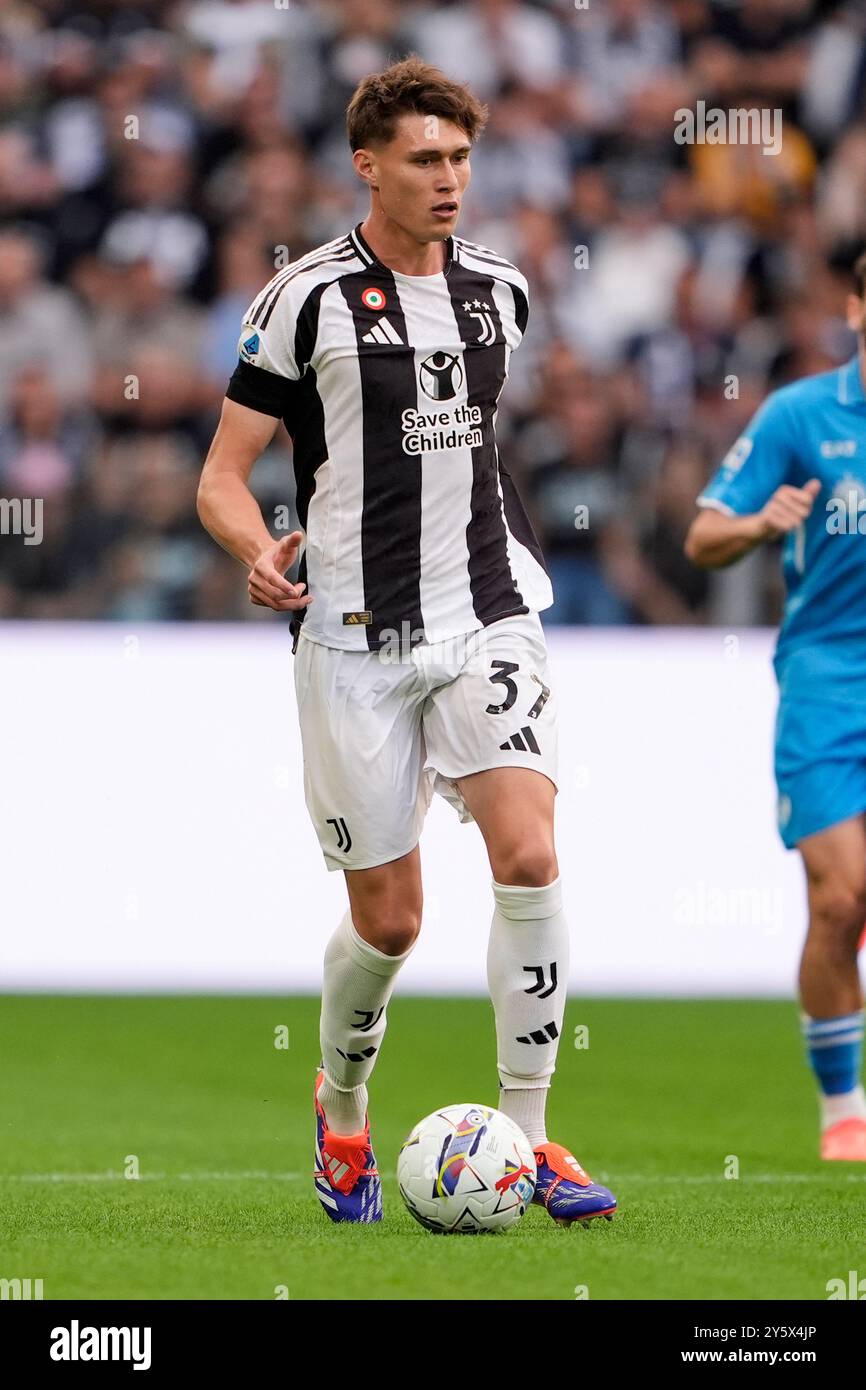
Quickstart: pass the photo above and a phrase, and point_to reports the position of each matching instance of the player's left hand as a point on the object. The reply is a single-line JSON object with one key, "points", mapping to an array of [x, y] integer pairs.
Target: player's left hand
{"points": [[268, 586]]}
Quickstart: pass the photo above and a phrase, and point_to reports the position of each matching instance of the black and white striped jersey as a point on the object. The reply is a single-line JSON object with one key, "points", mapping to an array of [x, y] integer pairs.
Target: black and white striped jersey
{"points": [[388, 385]]}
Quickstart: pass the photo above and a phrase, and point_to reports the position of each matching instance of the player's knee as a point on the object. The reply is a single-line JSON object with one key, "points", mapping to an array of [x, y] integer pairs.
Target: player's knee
{"points": [[394, 937], [838, 913], [391, 930], [527, 865]]}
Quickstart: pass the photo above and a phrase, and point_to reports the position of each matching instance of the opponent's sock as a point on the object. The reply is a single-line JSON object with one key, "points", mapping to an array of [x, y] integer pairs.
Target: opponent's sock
{"points": [[835, 1047], [357, 983], [527, 974], [850, 1105]]}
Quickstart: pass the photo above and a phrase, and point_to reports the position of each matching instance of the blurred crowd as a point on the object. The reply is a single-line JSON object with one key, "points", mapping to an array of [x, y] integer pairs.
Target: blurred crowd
{"points": [[155, 157]]}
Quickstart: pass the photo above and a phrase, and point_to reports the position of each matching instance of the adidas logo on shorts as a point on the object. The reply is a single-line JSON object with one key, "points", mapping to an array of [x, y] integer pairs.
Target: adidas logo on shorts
{"points": [[522, 742]]}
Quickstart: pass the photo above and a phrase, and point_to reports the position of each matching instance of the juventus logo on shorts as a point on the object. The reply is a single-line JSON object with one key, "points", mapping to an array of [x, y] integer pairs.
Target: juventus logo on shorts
{"points": [[344, 839]]}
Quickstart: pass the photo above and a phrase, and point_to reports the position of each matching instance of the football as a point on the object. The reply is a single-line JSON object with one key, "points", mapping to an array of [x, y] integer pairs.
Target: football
{"points": [[466, 1168]]}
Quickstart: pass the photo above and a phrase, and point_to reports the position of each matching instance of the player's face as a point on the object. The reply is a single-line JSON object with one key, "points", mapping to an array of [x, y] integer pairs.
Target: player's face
{"points": [[422, 175], [856, 315]]}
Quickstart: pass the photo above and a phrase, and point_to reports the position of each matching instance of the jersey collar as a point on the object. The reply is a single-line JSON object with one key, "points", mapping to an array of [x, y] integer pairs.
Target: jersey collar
{"points": [[367, 255], [851, 383]]}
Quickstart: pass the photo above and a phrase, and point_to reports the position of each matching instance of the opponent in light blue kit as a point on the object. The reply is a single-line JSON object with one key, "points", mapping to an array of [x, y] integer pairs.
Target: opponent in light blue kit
{"points": [[814, 430], [800, 471]]}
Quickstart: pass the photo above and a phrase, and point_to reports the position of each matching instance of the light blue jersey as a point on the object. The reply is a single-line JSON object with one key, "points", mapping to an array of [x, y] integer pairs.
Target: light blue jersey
{"points": [[815, 428]]}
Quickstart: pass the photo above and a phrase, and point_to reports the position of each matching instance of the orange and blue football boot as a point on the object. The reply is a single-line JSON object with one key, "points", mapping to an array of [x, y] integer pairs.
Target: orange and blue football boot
{"points": [[347, 1179], [565, 1190]]}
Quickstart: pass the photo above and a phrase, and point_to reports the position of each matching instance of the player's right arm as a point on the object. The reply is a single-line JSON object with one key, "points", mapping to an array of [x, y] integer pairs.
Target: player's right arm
{"points": [[716, 539], [258, 396], [758, 492], [230, 512]]}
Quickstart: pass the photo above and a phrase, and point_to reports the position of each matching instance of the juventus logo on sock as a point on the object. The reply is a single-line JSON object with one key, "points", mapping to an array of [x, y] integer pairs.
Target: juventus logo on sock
{"points": [[540, 982], [371, 1018]]}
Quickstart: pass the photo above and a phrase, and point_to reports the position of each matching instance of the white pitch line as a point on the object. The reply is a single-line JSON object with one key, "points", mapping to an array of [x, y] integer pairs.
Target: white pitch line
{"points": [[150, 1177], [682, 1180], [703, 1178]]}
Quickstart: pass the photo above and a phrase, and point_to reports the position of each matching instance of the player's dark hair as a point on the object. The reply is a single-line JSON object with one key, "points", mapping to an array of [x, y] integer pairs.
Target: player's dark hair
{"points": [[860, 274], [410, 86]]}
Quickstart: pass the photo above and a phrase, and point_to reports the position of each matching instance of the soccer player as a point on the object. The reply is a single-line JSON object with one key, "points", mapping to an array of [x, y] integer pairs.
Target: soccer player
{"points": [[420, 660], [798, 472]]}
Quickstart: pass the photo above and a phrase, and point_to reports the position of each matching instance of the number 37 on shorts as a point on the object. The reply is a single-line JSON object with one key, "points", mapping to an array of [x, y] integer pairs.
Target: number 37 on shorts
{"points": [[380, 737]]}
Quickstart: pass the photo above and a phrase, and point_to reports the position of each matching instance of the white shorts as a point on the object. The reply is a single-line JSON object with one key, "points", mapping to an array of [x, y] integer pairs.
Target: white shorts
{"points": [[380, 737]]}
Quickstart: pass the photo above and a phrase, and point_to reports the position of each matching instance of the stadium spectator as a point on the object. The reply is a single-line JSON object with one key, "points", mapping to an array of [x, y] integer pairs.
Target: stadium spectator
{"points": [[158, 161]]}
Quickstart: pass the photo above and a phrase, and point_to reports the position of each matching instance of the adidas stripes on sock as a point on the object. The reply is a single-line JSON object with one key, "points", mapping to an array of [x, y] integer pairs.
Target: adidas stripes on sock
{"points": [[357, 983], [527, 974]]}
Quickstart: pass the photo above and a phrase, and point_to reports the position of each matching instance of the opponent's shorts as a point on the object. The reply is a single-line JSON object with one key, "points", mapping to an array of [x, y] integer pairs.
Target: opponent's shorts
{"points": [[381, 736], [820, 763]]}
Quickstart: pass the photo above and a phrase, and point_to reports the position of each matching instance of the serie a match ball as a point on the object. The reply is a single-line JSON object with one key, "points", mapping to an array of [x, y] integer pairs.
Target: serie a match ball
{"points": [[466, 1168]]}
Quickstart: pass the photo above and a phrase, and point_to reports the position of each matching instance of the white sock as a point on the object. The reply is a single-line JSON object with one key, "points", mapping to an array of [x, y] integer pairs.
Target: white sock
{"points": [[526, 1108], [527, 974], [356, 985], [850, 1105], [345, 1111]]}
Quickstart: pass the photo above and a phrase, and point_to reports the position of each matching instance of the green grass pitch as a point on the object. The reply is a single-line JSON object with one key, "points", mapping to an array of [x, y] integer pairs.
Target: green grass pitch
{"points": [[219, 1121]]}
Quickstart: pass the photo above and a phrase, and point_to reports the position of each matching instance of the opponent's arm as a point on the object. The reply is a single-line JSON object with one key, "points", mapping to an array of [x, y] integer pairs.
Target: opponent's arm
{"points": [[230, 512], [716, 540]]}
